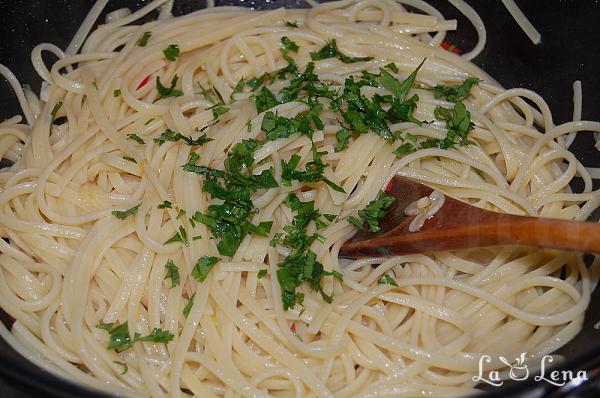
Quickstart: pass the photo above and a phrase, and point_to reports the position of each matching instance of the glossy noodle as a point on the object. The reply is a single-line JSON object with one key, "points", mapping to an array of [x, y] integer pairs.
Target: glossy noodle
{"points": [[98, 189]]}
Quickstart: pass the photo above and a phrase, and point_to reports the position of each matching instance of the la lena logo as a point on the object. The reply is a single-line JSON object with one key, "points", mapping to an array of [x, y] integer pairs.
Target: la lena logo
{"points": [[518, 370]]}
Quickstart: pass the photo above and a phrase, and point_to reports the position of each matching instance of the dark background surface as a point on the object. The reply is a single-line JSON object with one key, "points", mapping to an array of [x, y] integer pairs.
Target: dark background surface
{"points": [[569, 51]]}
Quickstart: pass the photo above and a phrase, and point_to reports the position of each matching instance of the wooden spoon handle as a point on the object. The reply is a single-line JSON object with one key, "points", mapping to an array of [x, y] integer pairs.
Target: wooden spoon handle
{"points": [[458, 225], [500, 229]]}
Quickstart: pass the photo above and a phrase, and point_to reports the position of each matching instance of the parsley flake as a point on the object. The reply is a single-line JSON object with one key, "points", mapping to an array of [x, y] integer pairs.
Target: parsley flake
{"points": [[330, 50], [179, 236], [387, 280], [136, 138], [373, 212], [456, 93], [172, 273], [172, 52], [188, 306], [203, 267], [144, 39], [121, 215], [168, 91]]}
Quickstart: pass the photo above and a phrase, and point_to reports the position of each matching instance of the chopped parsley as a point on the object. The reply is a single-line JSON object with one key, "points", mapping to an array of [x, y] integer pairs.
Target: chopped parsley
{"points": [[117, 93], [219, 110], [386, 280], [172, 52], [458, 123], [136, 138], [239, 87], [343, 139], [168, 91], [264, 100], [288, 45], [256, 82], [203, 267], [172, 273], [456, 93], [119, 339], [144, 39], [53, 114], [313, 170], [234, 186], [405, 149], [165, 205], [301, 264], [129, 159], [392, 66], [179, 236], [330, 50], [170, 135], [188, 306], [261, 274], [156, 336], [121, 215], [373, 212]]}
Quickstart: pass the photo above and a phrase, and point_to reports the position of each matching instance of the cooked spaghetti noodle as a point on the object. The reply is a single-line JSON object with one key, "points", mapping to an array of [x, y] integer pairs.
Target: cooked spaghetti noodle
{"points": [[98, 189]]}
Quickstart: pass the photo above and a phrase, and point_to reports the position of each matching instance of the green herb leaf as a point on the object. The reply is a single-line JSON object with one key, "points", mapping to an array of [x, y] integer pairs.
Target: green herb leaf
{"points": [[116, 93], [313, 171], [121, 215], [386, 280], [130, 159], [458, 123], [373, 212], [399, 89], [288, 45], [405, 149], [179, 236], [337, 275], [119, 339], [157, 336], [330, 50], [165, 205], [172, 273], [291, 24], [456, 93], [144, 39], [261, 274], [53, 114], [392, 66], [168, 91], [343, 139], [256, 82], [239, 87], [219, 110], [172, 52], [136, 138], [264, 100], [188, 306], [170, 135], [203, 267]]}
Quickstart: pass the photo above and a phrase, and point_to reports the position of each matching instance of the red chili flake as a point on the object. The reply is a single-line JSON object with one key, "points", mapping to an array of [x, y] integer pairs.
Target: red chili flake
{"points": [[293, 328], [144, 82], [389, 186], [450, 47]]}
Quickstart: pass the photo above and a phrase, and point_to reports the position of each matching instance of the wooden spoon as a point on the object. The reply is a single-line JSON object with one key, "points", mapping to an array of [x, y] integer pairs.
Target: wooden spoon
{"points": [[458, 225]]}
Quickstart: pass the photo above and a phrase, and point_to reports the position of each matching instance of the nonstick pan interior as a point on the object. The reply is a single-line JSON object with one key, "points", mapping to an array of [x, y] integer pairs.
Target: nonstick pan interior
{"points": [[568, 52]]}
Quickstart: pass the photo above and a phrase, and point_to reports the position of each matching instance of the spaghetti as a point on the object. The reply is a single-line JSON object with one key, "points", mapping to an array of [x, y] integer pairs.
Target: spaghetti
{"points": [[172, 174]]}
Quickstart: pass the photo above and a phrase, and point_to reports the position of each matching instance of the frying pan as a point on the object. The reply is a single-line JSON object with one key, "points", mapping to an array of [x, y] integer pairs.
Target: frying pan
{"points": [[568, 52]]}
